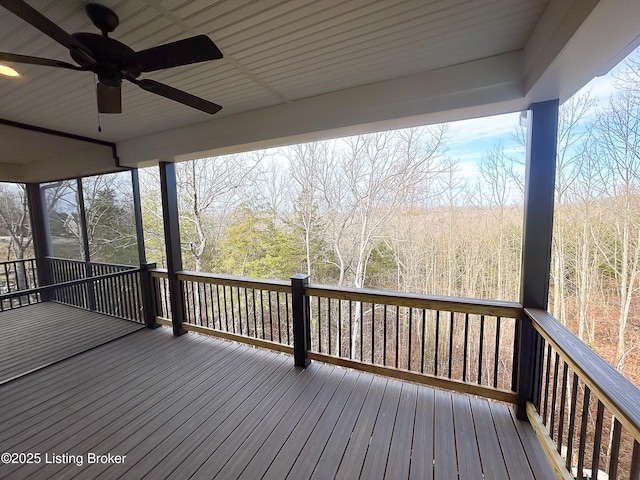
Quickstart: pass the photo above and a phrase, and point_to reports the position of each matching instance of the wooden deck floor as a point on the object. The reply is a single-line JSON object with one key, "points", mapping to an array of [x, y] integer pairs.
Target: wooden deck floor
{"points": [[38, 335], [198, 407]]}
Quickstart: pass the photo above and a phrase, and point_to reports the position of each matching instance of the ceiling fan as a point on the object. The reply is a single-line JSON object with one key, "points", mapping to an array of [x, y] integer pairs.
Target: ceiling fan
{"points": [[113, 61]]}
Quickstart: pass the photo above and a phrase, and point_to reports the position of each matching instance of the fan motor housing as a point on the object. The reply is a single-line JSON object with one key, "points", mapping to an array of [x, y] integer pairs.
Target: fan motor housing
{"points": [[115, 60]]}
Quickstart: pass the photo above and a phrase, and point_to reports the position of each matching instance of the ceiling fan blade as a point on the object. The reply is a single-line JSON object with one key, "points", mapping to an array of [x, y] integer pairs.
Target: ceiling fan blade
{"points": [[109, 99], [177, 95], [183, 52], [12, 57], [46, 26]]}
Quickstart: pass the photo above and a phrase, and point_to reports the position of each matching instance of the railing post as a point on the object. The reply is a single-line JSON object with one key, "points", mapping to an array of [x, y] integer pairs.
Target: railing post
{"points": [[90, 287], [148, 297], [536, 246], [301, 327]]}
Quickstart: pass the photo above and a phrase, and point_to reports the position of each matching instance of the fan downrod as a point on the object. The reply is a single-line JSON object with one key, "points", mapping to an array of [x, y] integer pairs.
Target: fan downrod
{"points": [[102, 17]]}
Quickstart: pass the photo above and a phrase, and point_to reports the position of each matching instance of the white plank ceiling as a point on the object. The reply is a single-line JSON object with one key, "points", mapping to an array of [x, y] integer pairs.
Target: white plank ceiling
{"points": [[276, 52]]}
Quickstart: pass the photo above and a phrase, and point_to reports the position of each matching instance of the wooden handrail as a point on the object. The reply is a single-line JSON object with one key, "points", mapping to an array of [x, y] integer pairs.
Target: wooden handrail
{"points": [[159, 272], [429, 302], [71, 260], [71, 283], [617, 393], [19, 260], [229, 280]]}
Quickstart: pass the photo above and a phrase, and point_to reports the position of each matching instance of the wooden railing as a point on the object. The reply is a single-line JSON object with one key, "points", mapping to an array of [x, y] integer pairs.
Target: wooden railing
{"points": [[252, 311], [106, 288], [103, 287], [116, 294], [15, 276], [460, 344], [587, 414], [64, 269]]}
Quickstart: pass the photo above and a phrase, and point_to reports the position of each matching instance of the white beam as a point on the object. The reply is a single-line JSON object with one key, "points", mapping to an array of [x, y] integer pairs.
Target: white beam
{"points": [[93, 160], [483, 87], [33, 155], [575, 41]]}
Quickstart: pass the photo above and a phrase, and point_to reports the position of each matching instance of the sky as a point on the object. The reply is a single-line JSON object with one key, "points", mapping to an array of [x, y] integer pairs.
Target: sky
{"points": [[469, 140]]}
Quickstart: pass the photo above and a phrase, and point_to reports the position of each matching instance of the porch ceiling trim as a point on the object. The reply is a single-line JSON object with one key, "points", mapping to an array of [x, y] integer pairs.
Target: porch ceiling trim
{"points": [[483, 87], [37, 154]]}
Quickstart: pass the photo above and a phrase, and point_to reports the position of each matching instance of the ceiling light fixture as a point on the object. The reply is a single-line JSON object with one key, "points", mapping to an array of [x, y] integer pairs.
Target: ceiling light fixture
{"points": [[8, 71]]}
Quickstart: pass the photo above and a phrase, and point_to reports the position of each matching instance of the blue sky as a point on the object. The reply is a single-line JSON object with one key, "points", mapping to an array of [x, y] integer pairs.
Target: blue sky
{"points": [[469, 140]]}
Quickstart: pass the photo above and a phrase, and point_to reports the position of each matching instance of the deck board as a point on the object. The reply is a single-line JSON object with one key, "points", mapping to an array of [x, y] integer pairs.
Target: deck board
{"points": [[194, 447], [111, 419], [160, 436], [230, 392], [243, 446], [199, 407], [512, 451], [293, 428], [375, 462], [536, 457], [444, 465], [402, 440], [489, 446], [421, 467], [59, 332], [334, 448], [356, 451], [34, 393], [467, 452], [302, 450]]}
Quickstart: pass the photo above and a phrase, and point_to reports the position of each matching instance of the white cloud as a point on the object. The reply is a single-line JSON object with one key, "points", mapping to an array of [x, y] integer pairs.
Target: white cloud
{"points": [[601, 88], [468, 170]]}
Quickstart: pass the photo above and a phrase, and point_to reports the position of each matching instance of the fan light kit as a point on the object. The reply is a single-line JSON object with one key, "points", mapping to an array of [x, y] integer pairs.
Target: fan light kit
{"points": [[8, 71], [113, 61]]}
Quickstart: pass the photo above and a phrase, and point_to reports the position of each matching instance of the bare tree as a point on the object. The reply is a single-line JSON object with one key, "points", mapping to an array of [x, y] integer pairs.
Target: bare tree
{"points": [[110, 218], [365, 183], [272, 188], [571, 132], [373, 176], [617, 135], [207, 190], [14, 214], [453, 194], [584, 195], [503, 190], [14, 219], [308, 166]]}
